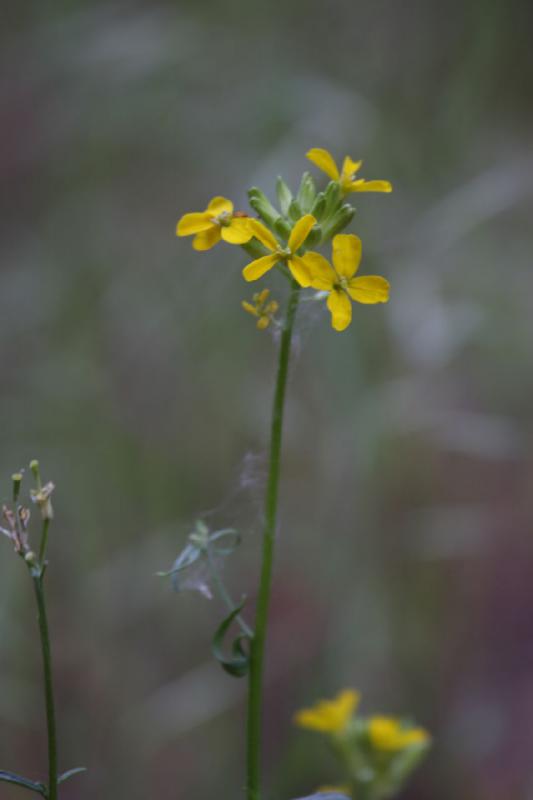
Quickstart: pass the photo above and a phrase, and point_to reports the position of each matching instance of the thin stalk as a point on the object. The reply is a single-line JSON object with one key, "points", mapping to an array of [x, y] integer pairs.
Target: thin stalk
{"points": [[48, 686], [224, 594], [257, 644], [44, 541]]}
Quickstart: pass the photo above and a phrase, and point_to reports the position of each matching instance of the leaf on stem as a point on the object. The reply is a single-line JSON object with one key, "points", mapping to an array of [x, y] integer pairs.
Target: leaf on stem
{"points": [[238, 663], [11, 777], [70, 773]]}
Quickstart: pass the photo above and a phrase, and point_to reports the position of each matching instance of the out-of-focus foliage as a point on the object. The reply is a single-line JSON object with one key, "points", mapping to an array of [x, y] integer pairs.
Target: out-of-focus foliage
{"points": [[405, 550]]}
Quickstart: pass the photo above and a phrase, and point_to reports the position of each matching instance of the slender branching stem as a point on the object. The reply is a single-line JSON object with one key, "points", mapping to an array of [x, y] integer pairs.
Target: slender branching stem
{"points": [[257, 644], [37, 574]]}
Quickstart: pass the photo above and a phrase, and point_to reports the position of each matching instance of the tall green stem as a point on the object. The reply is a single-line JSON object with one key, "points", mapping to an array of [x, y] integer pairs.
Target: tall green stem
{"points": [[257, 644], [48, 686]]}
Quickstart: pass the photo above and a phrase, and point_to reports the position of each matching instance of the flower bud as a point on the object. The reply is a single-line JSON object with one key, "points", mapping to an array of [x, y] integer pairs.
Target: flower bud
{"points": [[333, 195], [338, 222], [306, 193], [284, 196], [319, 206], [295, 211], [17, 480], [260, 203]]}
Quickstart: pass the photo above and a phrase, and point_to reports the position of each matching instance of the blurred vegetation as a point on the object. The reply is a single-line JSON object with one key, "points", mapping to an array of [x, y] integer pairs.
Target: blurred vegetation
{"points": [[129, 369]]}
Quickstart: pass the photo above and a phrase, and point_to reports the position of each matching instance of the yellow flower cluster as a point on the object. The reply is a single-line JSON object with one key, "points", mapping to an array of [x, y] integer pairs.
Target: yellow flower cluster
{"points": [[283, 242], [262, 308], [377, 753]]}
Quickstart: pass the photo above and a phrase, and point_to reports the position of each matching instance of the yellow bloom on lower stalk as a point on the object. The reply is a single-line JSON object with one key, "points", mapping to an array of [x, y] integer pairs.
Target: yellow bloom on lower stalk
{"points": [[297, 264], [262, 308], [347, 176], [329, 716], [340, 282], [388, 733], [218, 221]]}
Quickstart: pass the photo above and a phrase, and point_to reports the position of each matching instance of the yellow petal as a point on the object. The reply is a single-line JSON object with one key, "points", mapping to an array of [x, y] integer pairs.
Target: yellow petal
{"points": [[322, 273], [341, 309], [369, 289], [329, 716], [218, 205], [193, 223], [249, 308], [350, 167], [256, 269], [347, 250], [369, 186], [299, 270], [237, 232], [207, 239], [324, 160], [263, 234], [300, 232]]}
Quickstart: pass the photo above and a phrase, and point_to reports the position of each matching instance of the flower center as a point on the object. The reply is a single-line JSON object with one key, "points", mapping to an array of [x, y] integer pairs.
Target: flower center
{"points": [[223, 219]]}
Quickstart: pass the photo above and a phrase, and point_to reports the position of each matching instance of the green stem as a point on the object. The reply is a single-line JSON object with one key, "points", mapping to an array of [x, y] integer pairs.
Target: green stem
{"points": [[44, 541], [48, 686], [257, 645]]}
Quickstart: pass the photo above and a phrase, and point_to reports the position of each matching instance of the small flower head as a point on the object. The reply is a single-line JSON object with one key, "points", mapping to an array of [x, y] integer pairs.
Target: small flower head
{"points": [[347, 176], [390, 734], [41, 497], [329, 716], [17, 522], [339, 280], [262, 308], [217, 222], [278, 252]]}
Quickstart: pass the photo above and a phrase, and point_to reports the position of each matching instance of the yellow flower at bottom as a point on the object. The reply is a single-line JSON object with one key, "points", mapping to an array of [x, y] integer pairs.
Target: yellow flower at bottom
{"points": [[388, 733], [329, 716], [217, 222], [347, 176], [344, 789], [340, 282], [262, 308]]}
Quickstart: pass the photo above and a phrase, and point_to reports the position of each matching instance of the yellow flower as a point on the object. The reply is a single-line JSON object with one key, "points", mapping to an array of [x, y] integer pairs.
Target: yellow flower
{"points": [[216, 222], [387, 733], [297, 264], [347, 176], [339, 281], [262, 308], [344, 789], [329, 716]]}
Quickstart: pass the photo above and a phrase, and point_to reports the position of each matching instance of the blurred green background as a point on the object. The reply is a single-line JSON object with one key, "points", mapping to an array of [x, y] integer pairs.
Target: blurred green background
{"points": [[405, 558]]}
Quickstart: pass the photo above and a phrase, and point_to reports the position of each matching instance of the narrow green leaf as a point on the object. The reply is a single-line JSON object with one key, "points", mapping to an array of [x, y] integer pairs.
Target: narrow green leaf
{"points": [[18, 780], [70, 773], [237, 664]]}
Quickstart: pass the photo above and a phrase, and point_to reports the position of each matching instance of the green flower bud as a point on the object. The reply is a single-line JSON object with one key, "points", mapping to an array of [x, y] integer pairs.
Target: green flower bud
{"points": [[17, 480], [338, 222], [284, 196], [295, 211], [333, 196], [260, 203], [319, 206], [282, 228], [306, 193]]}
